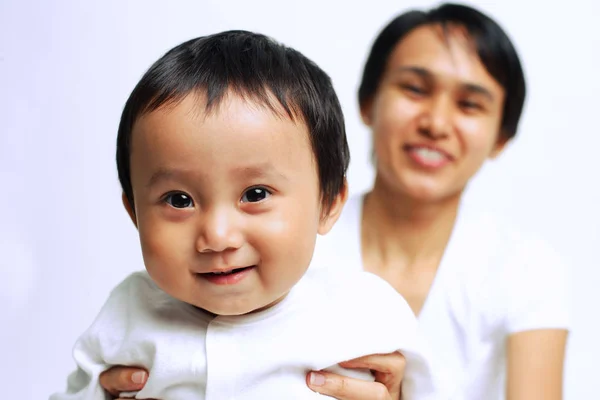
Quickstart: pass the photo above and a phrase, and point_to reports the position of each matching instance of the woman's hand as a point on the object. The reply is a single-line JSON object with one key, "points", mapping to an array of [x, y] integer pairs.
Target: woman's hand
{"points": [[388, 370], [123, 379]]}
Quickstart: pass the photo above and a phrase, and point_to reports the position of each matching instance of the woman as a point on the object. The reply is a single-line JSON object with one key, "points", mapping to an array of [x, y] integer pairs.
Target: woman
{"points": [[443, 91]]}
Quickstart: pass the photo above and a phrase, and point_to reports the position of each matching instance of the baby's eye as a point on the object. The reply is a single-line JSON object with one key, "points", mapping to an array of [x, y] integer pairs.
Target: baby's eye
{"points": [[255, 195], [179, 200]]}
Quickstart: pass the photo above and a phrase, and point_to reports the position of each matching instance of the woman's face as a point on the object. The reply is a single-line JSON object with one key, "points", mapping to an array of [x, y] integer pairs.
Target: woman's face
{"points": [[436, 115]]}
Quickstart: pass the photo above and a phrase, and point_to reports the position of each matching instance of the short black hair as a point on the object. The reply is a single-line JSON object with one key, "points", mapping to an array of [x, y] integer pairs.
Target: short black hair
{"points": [[494, 48], [253, 66]]}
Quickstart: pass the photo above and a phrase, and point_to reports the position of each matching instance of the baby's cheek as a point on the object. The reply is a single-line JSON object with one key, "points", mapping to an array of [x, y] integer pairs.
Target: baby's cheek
{"points": [[164, 246], [166, 262], [288, 244]]}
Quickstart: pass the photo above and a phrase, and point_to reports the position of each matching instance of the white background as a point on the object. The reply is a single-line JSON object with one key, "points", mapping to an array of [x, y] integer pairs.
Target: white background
{"points": [[66, 69]]}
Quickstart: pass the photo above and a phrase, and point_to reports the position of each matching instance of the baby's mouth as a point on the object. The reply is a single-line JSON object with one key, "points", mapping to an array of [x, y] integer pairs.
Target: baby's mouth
{"points": [[227, 277], [230, 272]]}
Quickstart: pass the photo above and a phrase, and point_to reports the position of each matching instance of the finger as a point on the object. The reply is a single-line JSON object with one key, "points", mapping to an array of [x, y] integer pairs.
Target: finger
{"points": [[388, 369], [123, 379], [344, 388], [386, 363]]}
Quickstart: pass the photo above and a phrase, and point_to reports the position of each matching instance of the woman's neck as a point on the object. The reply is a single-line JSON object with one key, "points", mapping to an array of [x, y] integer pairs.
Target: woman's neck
{"points": [[399, 230]]}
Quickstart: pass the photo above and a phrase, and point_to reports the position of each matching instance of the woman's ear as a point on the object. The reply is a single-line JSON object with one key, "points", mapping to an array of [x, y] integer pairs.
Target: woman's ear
{"points": [[366, 110], [129, 208], [331, 215], [499, 146]]}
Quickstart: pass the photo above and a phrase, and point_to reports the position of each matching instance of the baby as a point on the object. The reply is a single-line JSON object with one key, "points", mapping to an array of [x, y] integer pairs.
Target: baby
{"points": [[232, 156]]}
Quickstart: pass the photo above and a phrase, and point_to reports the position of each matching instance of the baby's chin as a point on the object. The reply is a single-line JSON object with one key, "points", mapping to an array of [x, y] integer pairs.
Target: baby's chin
{"points": [[244, 308]]}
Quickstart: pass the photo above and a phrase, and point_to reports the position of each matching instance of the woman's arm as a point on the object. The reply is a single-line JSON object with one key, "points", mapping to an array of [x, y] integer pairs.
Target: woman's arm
{"points": [[388, 370], [535, 362]]}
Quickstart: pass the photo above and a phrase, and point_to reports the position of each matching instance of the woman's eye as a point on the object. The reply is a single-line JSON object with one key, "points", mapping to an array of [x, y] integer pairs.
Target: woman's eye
{"points": [[179, 200], [470, 105], [414, 89], [255, 195]]}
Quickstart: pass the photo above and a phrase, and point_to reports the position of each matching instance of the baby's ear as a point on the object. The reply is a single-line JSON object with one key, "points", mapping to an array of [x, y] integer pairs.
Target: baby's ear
{"points": [[129, 208], [330, 216]]}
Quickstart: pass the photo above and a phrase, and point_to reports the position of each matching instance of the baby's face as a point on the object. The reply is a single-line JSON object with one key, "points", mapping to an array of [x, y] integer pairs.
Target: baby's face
{"points": [[227, 203]]}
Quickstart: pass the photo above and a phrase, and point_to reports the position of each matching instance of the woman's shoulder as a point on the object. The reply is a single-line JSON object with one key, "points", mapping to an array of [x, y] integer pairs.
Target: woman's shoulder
{"points": [[502, 237], [516, 269]]}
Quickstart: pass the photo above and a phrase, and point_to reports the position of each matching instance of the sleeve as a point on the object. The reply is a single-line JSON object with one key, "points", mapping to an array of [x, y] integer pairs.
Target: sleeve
{"points": [[106, 332], [84, 382], [537, 289], [388, 324]]}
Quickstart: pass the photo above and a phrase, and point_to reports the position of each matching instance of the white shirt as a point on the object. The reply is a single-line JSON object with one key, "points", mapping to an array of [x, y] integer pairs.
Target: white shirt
{"points": [[492, 281], [327, 318]]}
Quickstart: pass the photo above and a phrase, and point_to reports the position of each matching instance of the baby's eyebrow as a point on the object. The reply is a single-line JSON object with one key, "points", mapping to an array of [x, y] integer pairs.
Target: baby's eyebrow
{"points": [[262, 170], [167, 174]]}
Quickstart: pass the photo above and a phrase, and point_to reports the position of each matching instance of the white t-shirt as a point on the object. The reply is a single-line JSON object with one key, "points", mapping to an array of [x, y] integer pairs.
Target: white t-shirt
{"points": [[492, 281], [327, 318]]}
